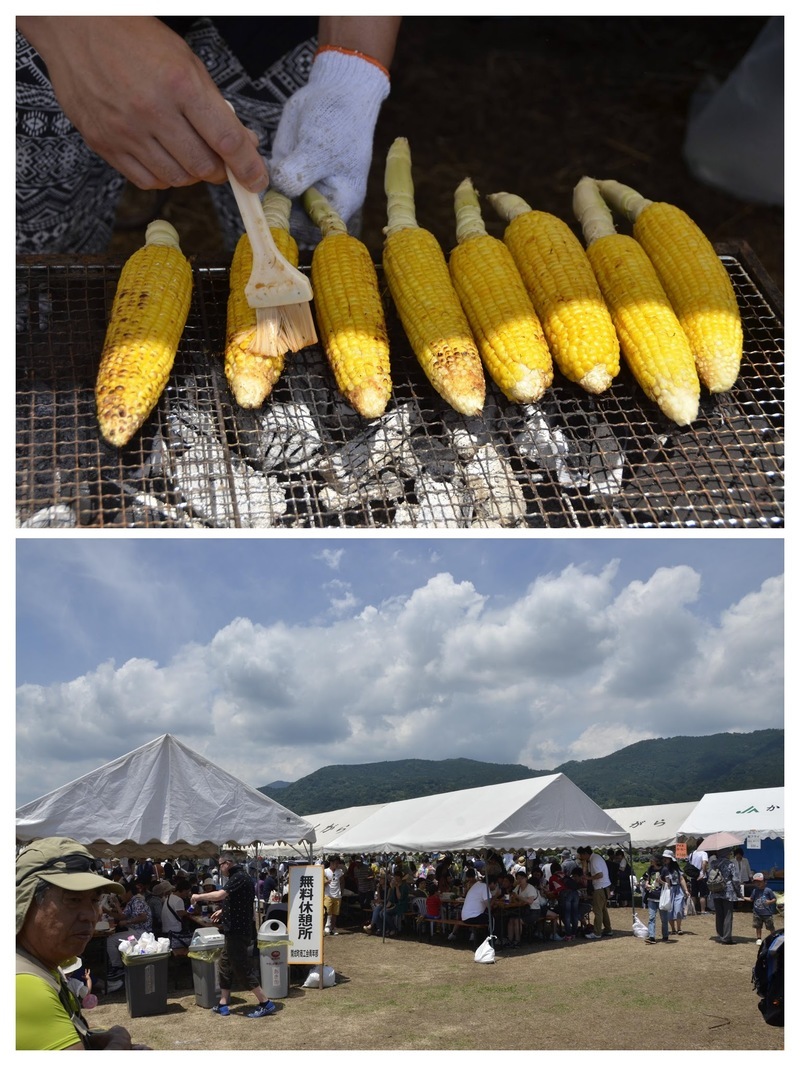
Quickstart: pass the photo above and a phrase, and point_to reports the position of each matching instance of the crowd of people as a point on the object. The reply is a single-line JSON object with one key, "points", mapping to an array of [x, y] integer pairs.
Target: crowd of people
{"points": [[565, 895], [64, 894]]}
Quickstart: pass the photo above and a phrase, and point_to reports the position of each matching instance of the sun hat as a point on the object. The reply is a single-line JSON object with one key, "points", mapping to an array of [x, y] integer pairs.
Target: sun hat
{"points": [[667, 854], [209, 882], [162, 888], [758, 877], [60, 861]]}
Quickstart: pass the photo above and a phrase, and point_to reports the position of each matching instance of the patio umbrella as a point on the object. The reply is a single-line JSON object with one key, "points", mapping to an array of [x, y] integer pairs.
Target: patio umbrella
{"points": [[721, 841]]}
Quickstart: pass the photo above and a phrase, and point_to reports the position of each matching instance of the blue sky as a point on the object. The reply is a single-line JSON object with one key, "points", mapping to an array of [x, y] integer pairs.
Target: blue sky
{"points": [[274, 656]]}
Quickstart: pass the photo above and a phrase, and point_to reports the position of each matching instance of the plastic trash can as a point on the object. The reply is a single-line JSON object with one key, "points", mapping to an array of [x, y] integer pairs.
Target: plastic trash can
{"points": [[273, 948], [204, 950], [146, 983]]}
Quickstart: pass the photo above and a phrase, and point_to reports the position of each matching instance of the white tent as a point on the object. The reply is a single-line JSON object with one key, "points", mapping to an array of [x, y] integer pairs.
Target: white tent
{"points": [[536, 812], [756, 811], [328, 825], [163, 799], [654, 825]]}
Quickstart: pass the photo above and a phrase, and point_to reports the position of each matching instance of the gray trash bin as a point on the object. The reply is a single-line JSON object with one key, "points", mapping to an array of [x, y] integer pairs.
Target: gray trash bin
{"points": [[204, 951], [273, 948], [146, 979]]}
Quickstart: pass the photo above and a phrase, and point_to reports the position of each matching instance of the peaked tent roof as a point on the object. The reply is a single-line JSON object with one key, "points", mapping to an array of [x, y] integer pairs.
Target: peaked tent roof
{"points": [[540, 811], [164, 799], [751, 810], [654, 825]]}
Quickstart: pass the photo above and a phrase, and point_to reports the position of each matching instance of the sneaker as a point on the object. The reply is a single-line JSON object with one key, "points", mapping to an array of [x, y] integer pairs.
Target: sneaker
{"points": [[758, 941], [223, 1009], [650, 940], [115, 984], [327, 931], [607, 932], [263, 1010], [555, 936], [591, 936]]}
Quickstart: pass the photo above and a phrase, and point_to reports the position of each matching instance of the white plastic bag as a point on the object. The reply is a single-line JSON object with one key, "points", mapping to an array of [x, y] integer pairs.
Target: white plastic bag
{"points": [[485, 951], [665, 899], [328, 978], [639, 928]]}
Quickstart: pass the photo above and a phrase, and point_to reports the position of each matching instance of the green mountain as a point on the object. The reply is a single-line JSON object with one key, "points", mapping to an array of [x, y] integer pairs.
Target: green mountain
{"points": [[669, 770]]}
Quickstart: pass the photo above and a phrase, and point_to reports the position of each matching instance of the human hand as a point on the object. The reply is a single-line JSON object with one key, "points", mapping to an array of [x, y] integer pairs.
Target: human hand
{"points": [[324, 137], [115, 1038], [144, 101]]}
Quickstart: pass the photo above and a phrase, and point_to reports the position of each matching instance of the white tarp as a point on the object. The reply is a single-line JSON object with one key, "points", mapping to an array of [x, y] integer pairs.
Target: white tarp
{"points": [[536, 812], [327, 825], [752, 810], [654, 825], [163, 799]]}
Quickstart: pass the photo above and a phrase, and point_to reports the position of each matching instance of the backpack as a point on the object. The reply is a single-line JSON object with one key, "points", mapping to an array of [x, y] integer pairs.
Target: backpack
{"points": [[716, 882], [768, 978]]}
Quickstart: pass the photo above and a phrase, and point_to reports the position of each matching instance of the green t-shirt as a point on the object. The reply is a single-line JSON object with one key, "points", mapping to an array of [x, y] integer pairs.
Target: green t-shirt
{"points": [[43, 1023]]}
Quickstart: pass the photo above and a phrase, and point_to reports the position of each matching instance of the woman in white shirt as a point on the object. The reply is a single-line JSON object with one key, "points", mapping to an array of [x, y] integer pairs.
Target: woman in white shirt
{"points": [[529, 915]]}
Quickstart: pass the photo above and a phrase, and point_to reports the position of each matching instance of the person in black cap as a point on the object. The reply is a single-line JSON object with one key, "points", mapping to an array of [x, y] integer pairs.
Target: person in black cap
{"points": [[57, 906], [235, 918]]}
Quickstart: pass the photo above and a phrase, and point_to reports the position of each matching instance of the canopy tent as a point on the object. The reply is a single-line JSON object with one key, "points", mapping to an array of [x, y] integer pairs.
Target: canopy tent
{"points": [[755, 815], [654, 825], [756, 811], [328, 825], [162, 799], [540, 812]]}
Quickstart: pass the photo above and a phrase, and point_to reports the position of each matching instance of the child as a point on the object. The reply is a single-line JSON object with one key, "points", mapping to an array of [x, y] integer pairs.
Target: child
{"points": [[764, 906], [79, 980]]}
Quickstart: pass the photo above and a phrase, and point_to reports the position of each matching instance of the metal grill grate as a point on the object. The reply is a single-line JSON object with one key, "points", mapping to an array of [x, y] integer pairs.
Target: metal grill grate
{"points": [[306, 460]]}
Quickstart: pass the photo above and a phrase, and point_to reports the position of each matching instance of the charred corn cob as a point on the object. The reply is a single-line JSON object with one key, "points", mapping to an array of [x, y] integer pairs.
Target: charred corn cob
{"points": [[148, 314], [349, 310], [497, 305], [694, 279], [564, 292], [426, 302], [250, 374], [652, 339]]}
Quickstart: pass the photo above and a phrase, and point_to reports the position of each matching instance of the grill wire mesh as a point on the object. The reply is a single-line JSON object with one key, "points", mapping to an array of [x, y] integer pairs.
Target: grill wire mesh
{"points": [[307, 460]]}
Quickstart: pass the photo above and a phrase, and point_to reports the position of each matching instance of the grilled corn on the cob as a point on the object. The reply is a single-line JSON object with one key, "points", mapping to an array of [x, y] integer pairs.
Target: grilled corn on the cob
{"points": [[694, 279], [349, 309], [250, 374], [497, 305], [564, 292], [426, 302], [652, 339], [148, 315]]}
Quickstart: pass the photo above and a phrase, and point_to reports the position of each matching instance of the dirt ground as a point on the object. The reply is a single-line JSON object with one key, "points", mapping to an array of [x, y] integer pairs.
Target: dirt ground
{"points": [[529, 105], [406, 994]]}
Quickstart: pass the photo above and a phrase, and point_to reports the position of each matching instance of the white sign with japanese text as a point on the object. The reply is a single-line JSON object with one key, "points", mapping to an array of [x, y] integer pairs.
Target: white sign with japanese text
{"points": [[306, 914]]}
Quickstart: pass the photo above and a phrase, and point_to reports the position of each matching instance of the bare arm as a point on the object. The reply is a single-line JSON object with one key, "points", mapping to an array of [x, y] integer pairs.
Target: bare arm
{"points": [[143, 100], [373, 35]]}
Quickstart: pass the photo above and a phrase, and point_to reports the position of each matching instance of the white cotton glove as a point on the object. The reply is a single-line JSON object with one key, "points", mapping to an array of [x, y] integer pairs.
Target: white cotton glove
{"points": [[324, 137]]}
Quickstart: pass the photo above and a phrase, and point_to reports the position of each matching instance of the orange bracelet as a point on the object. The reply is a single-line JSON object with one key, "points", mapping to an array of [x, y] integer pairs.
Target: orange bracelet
{"points": [[353, 52]]}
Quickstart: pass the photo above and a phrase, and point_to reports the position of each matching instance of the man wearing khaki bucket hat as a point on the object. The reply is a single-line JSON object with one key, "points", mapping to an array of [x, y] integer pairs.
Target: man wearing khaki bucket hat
{"points": [[58, 897]]}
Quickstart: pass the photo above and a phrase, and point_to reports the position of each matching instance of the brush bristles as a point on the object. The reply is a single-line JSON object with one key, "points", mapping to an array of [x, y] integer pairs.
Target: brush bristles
{"points": [[287, 328]]}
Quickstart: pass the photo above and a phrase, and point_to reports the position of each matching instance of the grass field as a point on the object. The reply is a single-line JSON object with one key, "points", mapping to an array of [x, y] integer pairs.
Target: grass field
{"points": [[617, 994]]}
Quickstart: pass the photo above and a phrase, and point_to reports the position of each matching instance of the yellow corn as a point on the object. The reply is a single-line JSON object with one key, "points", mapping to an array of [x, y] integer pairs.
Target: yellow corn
{"points": [[148, 314], [652, 339], [497, 305], [251, 376], [429, 309], [694, 279], [564, 292], [349, 310]]}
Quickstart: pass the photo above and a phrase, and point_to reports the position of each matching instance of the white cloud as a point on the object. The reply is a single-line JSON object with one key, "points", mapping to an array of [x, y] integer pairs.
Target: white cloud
{"points": [[573, 667]]}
